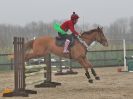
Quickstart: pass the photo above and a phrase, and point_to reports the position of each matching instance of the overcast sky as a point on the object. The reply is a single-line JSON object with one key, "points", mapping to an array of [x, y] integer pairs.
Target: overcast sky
{"points": [[101, 12]]}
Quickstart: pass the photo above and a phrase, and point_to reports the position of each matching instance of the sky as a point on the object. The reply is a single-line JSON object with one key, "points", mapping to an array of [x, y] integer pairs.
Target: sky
{"points": [[102, 12]]}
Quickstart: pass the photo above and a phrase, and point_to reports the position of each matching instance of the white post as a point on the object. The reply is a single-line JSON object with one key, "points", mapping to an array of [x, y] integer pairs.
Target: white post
{"points": [[34, 38], [124, 51]]}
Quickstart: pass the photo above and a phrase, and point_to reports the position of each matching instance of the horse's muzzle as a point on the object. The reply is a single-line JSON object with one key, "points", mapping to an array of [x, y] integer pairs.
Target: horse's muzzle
{"points": [[106, 44]]}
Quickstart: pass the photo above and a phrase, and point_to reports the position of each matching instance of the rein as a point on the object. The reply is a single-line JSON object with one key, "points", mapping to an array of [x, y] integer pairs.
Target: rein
{"points": [[84, 37], [83, 42]]}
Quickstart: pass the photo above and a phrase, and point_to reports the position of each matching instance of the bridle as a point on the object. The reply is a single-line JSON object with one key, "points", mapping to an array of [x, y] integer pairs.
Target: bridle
{"points": [[99, 36]]}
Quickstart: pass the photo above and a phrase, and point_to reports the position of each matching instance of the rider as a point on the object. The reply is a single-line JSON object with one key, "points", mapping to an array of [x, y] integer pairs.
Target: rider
{"points": [[69, 25]]}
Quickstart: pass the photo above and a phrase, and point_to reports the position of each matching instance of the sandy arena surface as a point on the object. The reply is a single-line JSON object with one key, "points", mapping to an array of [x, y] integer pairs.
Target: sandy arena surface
{"points": [[113, 85]]}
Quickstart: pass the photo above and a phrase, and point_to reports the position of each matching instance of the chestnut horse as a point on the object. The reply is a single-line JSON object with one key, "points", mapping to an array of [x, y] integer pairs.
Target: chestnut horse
{"points": [[46, 44]]}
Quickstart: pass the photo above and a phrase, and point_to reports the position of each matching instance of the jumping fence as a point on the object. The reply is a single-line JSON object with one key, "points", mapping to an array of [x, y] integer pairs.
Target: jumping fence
{"points": [[19, 72]]}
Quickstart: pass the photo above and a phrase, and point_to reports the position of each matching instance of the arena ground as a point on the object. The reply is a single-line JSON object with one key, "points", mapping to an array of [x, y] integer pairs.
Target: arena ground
{"points": [[113, 85]]}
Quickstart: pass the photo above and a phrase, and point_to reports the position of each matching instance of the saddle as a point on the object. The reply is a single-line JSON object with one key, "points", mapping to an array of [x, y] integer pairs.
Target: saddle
{"points": [[61, 41]]}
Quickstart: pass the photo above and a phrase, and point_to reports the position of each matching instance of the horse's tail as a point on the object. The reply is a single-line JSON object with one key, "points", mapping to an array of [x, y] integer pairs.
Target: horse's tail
{"points": [[29, 45]]}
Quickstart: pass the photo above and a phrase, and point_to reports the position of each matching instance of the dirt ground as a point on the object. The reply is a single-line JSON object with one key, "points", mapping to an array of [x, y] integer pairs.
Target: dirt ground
{"points": [[113, 85]]}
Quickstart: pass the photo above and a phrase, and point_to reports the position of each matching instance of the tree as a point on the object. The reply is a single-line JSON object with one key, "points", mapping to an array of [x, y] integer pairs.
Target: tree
{"points": [[118, 29]]}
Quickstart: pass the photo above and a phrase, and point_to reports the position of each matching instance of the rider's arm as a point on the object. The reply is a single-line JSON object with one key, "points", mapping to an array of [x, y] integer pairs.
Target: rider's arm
{"points": [[71, 27]]}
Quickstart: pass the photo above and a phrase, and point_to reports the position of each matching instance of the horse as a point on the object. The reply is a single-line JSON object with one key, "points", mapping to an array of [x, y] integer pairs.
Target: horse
{"points": [[44, 45]]}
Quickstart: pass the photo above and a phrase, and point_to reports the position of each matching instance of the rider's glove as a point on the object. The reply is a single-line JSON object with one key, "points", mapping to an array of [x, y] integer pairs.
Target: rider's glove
{"points": [[79, 34]]}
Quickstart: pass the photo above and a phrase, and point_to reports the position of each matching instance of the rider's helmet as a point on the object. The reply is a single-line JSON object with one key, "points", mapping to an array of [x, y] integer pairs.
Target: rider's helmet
{"points": [[74, 16]]}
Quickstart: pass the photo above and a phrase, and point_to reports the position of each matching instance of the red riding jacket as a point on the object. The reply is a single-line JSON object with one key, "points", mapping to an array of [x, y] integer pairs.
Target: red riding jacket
{"points": [[69, 25]]}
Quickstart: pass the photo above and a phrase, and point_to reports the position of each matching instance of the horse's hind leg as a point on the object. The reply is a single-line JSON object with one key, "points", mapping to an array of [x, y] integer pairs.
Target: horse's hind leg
{"points": [[29, 56], [37, 51], [35, 54]]}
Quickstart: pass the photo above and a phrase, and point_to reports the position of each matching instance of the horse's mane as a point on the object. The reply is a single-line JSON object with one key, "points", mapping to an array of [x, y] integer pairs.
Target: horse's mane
{"points": [[90, 31]]}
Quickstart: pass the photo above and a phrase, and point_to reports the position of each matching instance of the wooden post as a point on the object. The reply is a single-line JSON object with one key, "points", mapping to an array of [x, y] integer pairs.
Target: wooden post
{"points": [[48, 82], [48, 63], [19, 70]]}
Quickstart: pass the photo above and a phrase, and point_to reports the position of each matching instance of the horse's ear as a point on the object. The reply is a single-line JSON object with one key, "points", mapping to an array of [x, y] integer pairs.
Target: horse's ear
{"points": [[98, 27]]}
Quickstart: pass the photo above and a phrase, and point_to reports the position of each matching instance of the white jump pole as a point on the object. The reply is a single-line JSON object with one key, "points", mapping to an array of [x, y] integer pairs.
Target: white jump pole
{"points": [[124, 51], [34, 38]]}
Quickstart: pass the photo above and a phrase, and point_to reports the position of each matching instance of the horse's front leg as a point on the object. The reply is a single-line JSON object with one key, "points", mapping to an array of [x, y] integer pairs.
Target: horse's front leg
{"points": [[94, 73], [85, 65], [92, 69], [84, 62]]}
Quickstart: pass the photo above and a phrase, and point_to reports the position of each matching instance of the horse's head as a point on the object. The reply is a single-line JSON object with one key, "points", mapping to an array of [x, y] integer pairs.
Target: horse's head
{"points": [[95, 35], [100, 37]]}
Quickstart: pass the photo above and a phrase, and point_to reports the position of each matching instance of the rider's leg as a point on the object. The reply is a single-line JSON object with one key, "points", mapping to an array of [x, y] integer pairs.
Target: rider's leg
{"points": [[67, 42], [59, 35]]}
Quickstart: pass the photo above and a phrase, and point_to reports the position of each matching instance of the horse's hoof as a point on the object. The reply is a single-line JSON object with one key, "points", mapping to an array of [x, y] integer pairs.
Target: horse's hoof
{"points": [[90, 81], [97, 78]]}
